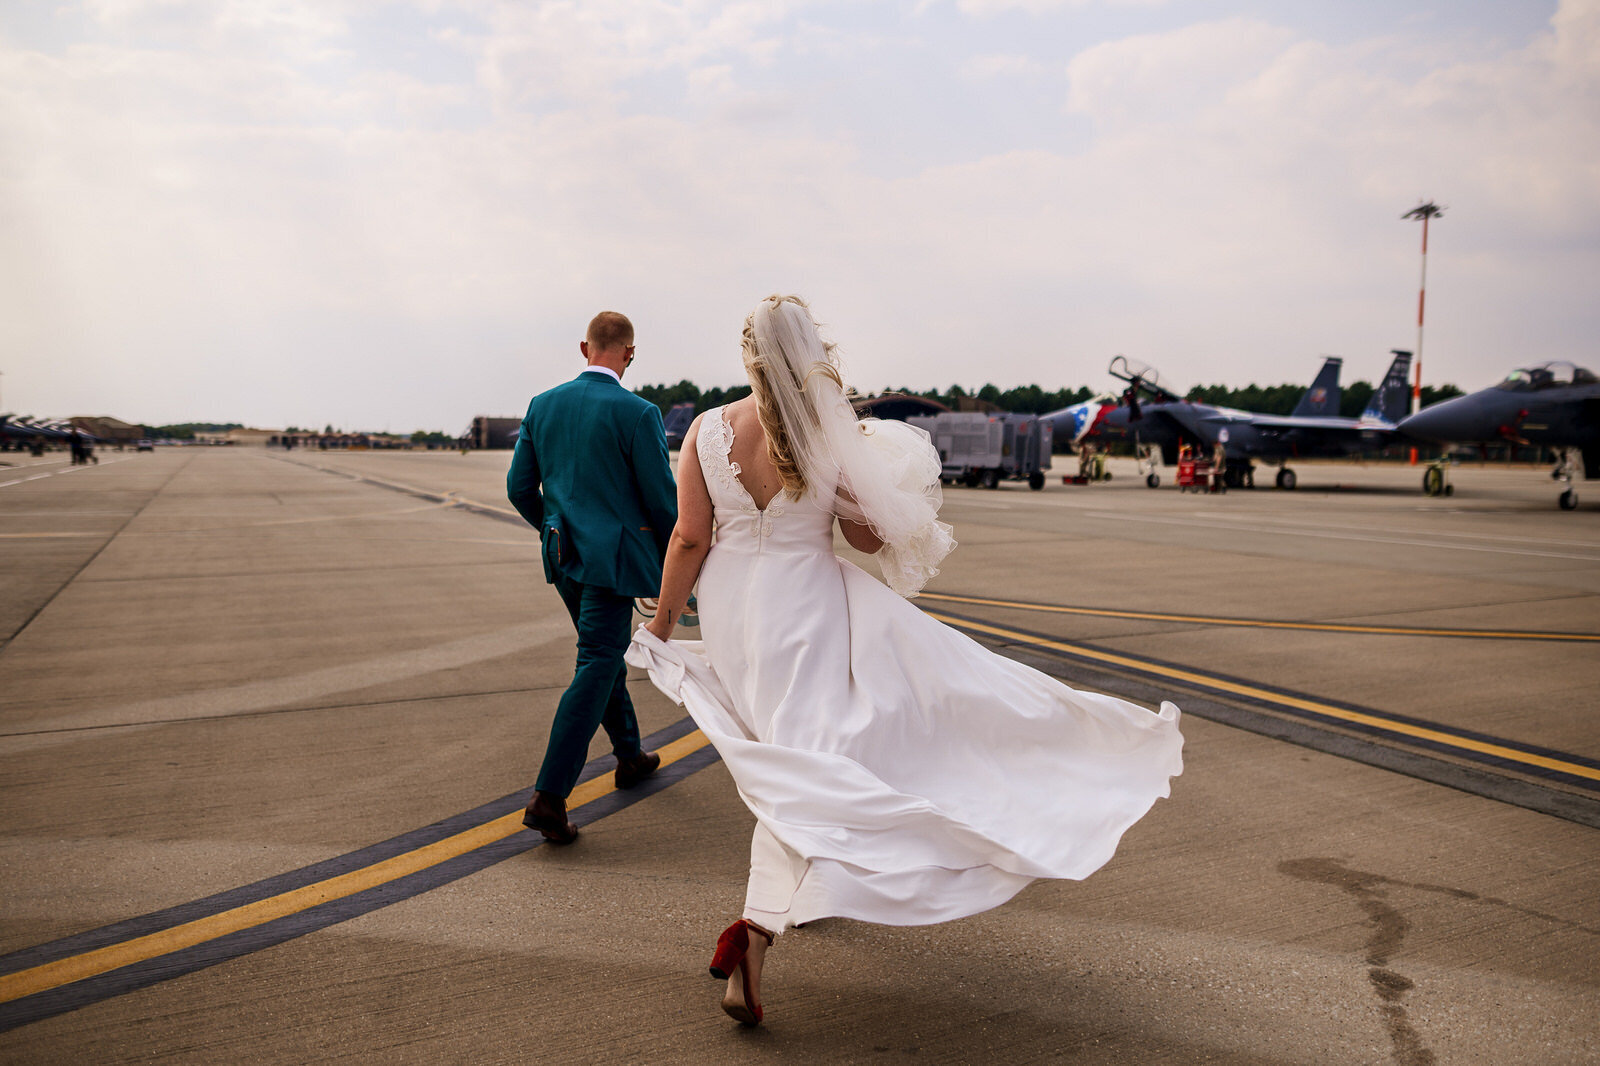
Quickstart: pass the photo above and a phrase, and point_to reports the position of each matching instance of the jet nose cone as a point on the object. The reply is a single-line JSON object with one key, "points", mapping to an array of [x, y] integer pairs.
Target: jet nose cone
{"points": [[1460, 419], [1079, 420]]}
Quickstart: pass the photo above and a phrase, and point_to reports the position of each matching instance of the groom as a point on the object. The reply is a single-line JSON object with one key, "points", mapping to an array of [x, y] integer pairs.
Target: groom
{"points": [[591, 474]]}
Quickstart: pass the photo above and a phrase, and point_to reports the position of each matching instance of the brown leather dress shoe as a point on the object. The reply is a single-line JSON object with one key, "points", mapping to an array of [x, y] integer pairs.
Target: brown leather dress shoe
{"points": [[632, 771], [548, 814]]}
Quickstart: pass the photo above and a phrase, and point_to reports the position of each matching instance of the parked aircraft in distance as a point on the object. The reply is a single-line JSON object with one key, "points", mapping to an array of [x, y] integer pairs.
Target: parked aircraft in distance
{"points": [[677, 424], [1151, 414], [1555, 404]]}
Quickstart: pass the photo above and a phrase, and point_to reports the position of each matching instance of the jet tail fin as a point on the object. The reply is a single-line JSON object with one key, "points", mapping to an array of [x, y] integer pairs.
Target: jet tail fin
{"points": [[1322, 398], [678, 420], [1392, 401]]}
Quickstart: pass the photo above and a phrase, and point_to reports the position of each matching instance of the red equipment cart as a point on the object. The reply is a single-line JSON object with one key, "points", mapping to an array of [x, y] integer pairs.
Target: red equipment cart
{"points": [[1194, 474]]}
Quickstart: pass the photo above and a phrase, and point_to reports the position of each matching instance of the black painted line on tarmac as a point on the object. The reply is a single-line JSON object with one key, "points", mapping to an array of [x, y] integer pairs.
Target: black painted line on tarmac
{"points": [[1200, 678], [1356, 628], [1306, 729], [187, 960], [1517, 792]]}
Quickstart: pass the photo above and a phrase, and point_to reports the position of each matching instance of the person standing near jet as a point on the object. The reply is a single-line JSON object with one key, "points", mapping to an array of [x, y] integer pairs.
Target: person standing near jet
{"points": [[590, 472], [1219, 460]]}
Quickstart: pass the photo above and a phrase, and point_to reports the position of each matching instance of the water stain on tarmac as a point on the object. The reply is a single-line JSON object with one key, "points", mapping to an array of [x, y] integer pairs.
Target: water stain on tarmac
{"points": [[1389, 928]]}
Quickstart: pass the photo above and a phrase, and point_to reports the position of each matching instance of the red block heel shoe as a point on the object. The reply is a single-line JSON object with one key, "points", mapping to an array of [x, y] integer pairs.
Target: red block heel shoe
{"points": [[731, 948], [729, 960]]}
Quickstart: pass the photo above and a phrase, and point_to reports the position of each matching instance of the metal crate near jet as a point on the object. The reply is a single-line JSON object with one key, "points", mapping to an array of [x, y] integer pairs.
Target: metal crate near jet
{"points": [[985, 449]]}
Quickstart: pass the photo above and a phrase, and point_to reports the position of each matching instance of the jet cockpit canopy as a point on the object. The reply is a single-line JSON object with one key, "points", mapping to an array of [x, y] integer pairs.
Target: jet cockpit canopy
{"points": [[1141, 376], [1547, 376]]}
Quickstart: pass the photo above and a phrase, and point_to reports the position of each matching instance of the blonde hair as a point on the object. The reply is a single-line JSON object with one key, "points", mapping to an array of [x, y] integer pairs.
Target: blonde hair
{"points": [[761, 371]]}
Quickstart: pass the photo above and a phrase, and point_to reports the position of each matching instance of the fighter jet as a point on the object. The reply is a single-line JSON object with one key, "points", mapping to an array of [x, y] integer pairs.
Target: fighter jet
{"points": [[1151, 414], [28, 429], [1555, 404]]}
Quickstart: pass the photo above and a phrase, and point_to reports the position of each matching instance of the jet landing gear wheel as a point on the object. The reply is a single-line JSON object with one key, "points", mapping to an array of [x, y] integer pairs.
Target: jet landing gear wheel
{"points": [[1569, 501], [1286, 478], [1153, 480], [1434, 482]]}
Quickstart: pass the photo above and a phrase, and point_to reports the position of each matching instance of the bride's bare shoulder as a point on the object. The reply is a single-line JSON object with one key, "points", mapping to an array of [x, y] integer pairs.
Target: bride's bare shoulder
{"points": [[743, 416]]}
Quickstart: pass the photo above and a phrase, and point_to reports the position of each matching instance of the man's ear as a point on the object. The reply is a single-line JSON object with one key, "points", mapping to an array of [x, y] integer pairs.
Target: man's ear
{"points": [[583, 346]]}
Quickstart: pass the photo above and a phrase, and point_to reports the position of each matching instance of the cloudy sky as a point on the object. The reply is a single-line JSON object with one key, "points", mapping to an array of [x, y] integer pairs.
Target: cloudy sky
{"points": [[399, 215]]}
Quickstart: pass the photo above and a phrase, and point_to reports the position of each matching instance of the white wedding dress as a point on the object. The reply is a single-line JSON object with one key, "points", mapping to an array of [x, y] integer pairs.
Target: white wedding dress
{"points": [[899, 772]]}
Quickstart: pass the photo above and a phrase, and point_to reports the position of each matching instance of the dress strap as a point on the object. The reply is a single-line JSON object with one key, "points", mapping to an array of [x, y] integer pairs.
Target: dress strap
{"points": [[715, 448]]}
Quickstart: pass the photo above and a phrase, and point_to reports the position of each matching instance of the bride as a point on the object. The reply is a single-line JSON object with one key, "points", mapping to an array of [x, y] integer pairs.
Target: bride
{"points": [[899, 772]]}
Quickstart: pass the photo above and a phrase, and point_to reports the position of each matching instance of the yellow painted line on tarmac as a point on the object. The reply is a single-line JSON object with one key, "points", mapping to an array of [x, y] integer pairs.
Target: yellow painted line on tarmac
{"points": [[1262, 695], [50, 975], [1253, 623]]}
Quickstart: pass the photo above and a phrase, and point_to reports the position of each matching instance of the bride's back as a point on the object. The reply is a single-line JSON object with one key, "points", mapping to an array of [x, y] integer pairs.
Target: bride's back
{"points": [[752, 512], [756, 470]]}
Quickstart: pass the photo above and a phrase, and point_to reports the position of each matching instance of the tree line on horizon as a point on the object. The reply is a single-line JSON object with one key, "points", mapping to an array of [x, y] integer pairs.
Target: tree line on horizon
{"points": [[187, 430], [1023, 399], [1035, 400]]}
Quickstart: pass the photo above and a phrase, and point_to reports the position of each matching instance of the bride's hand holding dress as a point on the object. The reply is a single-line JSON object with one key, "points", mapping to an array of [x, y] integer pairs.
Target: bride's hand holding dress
{"points": [[691, 539]]}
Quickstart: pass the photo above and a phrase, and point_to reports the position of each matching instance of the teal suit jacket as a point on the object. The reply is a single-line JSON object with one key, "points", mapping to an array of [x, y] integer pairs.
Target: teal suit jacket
{"points": [[590, 472]]}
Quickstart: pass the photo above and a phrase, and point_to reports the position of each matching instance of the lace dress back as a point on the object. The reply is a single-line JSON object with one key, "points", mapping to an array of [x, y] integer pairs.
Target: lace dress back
{"points": [[786, 524]]}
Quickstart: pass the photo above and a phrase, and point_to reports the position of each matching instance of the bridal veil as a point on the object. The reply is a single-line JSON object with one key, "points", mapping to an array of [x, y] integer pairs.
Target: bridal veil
{"points": [[887, 472]]}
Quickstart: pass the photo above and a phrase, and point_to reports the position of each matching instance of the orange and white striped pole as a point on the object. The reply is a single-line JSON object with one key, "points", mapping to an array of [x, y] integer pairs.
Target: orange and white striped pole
{"points": [[1426, 212]]}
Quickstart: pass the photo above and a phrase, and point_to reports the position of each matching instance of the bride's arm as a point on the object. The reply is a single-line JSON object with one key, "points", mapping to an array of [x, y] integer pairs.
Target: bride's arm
{"points": [[858, 535], [691, 538]]}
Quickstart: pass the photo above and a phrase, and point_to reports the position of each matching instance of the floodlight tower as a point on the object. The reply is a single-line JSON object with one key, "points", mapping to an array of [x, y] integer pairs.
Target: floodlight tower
{"points": [[1425, 212]]}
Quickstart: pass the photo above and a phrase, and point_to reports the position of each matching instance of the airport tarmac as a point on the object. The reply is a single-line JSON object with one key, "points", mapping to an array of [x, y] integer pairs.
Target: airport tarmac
{"points": [[267, 721]]}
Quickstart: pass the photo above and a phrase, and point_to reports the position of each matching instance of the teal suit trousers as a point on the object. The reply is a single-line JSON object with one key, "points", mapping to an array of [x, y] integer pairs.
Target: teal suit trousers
{"points": [[598, 695]]}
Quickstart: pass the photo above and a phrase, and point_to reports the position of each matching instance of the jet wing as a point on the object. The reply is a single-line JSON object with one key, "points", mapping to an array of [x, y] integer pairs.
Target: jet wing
{"points": [[1325, 422], [1179, 419]]}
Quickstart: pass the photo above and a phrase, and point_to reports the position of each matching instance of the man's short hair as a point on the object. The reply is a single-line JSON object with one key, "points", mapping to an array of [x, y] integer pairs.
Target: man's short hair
{"points": [[608, 330]]}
